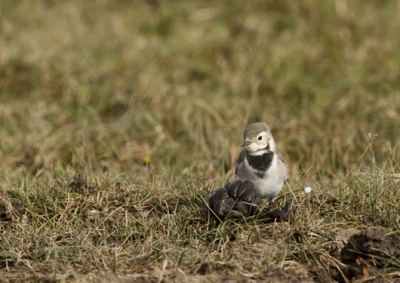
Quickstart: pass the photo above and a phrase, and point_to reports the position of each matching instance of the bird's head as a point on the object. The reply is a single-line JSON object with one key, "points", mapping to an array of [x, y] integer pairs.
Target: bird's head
{"points": [[258, 138]]}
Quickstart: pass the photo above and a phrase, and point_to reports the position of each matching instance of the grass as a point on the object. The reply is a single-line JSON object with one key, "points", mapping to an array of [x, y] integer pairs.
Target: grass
{"points": [[148, 101]]}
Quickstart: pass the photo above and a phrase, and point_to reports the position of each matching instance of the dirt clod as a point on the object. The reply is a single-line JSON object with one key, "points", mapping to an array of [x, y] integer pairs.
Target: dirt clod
{"points": [[6, 209], [78, 183], [239, 199], [368, 251], [372, 243]]}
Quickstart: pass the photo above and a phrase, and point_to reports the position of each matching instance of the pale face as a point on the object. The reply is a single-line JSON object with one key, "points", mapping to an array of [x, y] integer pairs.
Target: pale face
{"points": [[258, 143]]}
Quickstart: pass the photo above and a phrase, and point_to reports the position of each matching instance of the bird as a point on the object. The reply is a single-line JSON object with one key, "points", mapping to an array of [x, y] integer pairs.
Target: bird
{"points": [[260, 162]]}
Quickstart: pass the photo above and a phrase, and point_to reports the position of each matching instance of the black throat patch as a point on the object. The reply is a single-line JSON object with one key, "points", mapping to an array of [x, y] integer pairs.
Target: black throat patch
{"points": [[260, 163]]}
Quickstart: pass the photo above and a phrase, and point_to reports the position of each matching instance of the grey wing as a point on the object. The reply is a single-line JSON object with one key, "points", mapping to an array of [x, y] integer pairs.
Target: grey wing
{"points": [[240, 159], [280, 156], [283, 166]]}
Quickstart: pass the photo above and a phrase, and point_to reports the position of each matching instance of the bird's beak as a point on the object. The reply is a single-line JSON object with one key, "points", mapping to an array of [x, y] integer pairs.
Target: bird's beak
{"points": [[246, 143]]}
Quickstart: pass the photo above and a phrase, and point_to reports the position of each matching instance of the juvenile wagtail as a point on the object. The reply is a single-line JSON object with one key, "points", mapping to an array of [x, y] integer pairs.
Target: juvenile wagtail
{"points": [[260, 162]]}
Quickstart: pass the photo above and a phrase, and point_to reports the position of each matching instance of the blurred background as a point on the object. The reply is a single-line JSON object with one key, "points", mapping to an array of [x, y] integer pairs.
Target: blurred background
{"points": [[115, 86]]}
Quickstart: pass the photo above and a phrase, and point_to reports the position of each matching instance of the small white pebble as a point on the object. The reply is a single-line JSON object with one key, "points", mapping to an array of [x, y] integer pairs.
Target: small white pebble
{"points": [[307, 190]]}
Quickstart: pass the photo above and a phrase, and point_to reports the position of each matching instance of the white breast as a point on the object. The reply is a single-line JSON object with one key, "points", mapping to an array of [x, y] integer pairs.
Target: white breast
{"points": [[272, 182]]}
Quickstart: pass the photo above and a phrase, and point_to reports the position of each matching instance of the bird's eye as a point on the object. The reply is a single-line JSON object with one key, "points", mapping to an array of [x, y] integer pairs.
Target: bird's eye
{"points": [[260, 138]]}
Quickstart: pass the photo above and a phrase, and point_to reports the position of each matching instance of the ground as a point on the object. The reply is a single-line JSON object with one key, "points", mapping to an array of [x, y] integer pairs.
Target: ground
{"points": [[119, 119]]}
